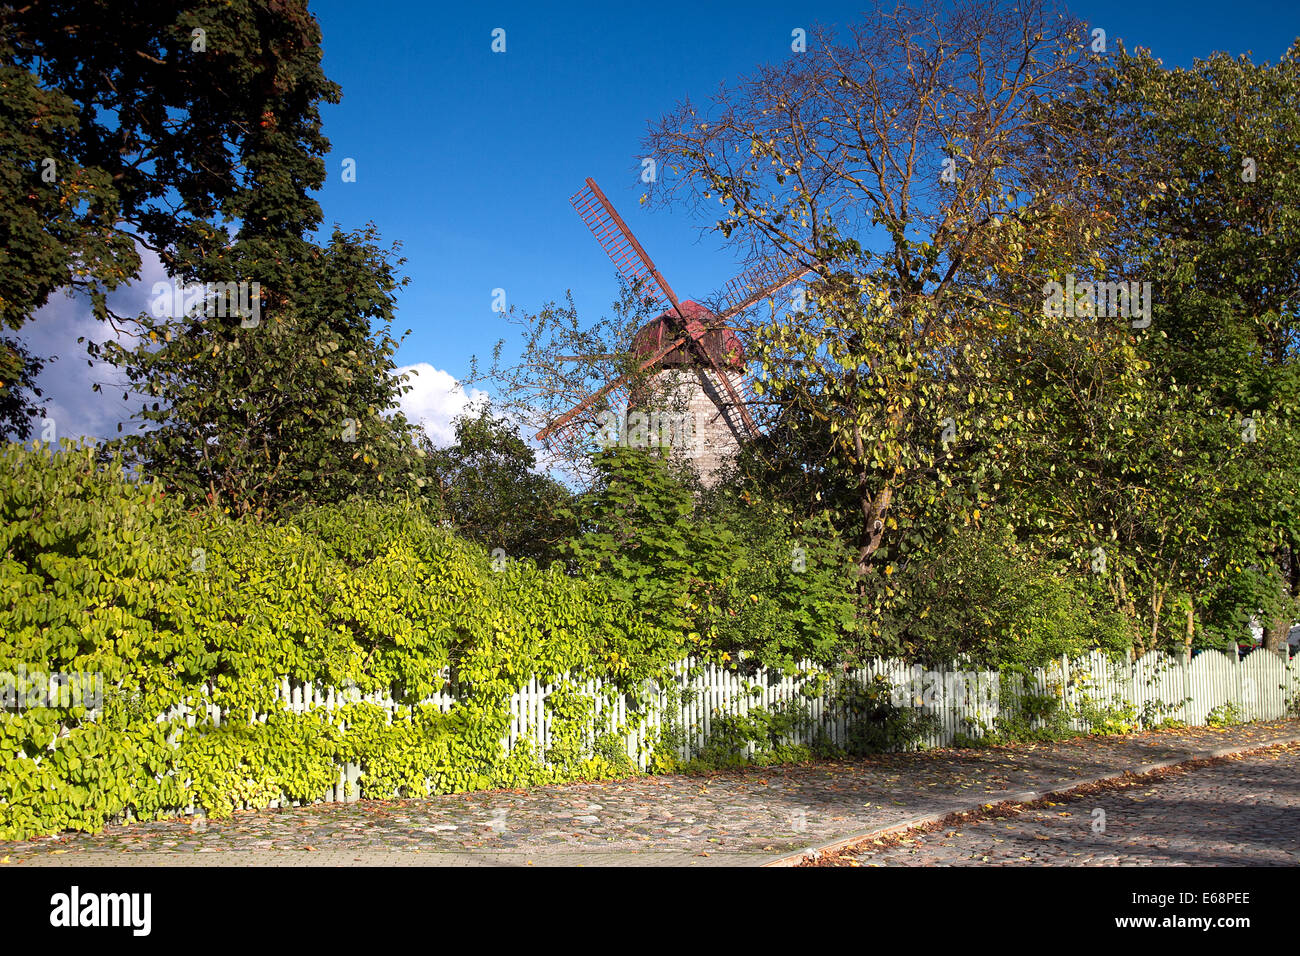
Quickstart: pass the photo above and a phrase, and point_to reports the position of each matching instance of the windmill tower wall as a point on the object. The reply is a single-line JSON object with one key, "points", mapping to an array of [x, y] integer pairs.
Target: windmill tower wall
{"points": [[713, 424]]}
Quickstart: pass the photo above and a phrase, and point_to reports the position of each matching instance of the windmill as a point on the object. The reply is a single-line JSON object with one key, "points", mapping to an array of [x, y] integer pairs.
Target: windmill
{"points": [[693, 356]]}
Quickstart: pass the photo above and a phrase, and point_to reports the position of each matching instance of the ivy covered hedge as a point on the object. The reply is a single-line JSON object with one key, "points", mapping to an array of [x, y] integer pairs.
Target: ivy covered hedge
{"points": [[103, 574]]}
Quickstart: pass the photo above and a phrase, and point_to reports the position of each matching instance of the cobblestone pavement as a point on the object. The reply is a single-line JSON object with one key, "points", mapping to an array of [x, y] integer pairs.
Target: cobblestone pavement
{"points": [[750, 815], [592, 857], [1241, 810]]}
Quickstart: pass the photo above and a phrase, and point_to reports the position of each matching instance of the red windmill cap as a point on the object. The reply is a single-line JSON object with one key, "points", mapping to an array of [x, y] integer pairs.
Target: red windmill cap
{"points": [[722, 345]]}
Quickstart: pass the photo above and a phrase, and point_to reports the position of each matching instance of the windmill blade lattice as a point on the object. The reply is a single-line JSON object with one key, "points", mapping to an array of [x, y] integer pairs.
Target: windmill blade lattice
{"points": [[632, 261], [575, 437], [760, 282], [569, 422]]}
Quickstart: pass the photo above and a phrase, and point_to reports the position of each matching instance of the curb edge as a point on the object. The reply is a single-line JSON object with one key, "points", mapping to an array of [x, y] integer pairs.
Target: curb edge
{"points": [[1022, 796]]}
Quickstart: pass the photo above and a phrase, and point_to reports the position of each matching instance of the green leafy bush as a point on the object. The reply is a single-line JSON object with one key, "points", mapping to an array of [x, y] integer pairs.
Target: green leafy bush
{"points": [[985, 598], [105, 575], [874, 723], [740, 578], [1225, 715], [487, 486], [759, 737]]}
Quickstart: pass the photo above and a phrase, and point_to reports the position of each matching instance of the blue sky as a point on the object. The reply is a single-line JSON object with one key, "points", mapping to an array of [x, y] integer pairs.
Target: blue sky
{"points": [[468, 157]]}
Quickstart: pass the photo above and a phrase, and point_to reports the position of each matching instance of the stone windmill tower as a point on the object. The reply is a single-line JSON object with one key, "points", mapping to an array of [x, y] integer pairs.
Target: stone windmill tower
{"points": [[693, 402], [693, 389]]}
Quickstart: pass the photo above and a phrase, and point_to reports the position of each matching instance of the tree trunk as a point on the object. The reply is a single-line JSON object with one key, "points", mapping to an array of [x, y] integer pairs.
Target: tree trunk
{"points": [[1277, 629], [874, 507], [1275, 634], [1130, 612], [873, 525], [1157, 605]]}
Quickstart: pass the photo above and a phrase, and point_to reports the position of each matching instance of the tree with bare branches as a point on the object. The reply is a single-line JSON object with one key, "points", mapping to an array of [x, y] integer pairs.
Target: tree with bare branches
{"points": [[906, 161]]}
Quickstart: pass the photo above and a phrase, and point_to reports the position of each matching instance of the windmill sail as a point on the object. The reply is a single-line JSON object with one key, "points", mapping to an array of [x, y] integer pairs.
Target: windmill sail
{"points": [[566, 422], [761, 281], [632, 261]]}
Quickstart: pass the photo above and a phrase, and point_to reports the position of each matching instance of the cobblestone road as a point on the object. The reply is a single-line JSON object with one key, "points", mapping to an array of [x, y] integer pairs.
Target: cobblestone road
{"points": [[1242, 810], [721, 819]]}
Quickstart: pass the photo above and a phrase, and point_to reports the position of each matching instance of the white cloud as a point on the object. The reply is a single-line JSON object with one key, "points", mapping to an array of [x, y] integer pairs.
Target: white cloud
{"points": [[435, 399], [67, 380]]}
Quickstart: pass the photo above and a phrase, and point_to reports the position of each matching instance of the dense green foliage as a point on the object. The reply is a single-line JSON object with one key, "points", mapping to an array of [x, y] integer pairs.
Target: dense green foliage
{"points": [[18, 388], [156, 133], [194, 130], [297, 409], [487, 485], [176, 608], [105, 575], [154, 126], [736, 578], [987, 598]]}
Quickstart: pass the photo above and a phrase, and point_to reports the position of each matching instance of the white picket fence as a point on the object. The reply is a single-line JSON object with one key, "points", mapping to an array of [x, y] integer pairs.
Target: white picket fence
{"points": [[1158, 686], [697, 695]]}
